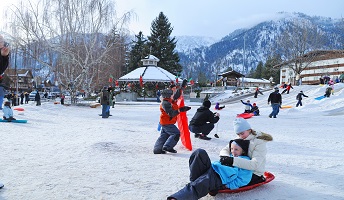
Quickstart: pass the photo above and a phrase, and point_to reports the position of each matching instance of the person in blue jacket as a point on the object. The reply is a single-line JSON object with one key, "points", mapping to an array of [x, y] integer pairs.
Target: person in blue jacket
{"points": [[248, 106], [206, 176]]}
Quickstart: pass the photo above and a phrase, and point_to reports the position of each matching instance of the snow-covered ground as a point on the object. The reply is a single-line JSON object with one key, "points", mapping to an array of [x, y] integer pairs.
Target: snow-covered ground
{"points": [[69, 152]]}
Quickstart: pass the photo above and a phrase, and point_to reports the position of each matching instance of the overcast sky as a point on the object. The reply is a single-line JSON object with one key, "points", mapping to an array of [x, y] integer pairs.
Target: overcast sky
{"points": [[217, 18]]}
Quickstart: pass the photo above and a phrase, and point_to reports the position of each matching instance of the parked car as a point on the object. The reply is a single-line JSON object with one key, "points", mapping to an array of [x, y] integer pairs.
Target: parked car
{"points": [[33, 94]]}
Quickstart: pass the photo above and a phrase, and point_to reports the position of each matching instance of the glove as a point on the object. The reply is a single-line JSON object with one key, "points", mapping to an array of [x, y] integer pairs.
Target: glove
{"points": [[184, 84], [217, 114], [184, 109], [177, 95], [226, 160]]}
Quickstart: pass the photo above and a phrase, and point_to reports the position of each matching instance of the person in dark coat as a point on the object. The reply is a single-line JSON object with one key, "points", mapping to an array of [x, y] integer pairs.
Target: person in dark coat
{"points": [[4, 55], [257, 92], [22, 98], [202, 123], [255, 109], [26, 97], [105, 101], [328, 92], [276, 101], [38, 99], [299, 98]]}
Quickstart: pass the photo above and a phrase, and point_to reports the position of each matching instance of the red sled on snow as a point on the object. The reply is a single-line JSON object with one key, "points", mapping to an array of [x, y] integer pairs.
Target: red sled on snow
{"points": [[245, 115], [268, 178]]}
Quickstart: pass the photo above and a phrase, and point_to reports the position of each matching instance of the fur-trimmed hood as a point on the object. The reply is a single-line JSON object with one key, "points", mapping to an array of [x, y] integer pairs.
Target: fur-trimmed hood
{"points": [[264, 136]]}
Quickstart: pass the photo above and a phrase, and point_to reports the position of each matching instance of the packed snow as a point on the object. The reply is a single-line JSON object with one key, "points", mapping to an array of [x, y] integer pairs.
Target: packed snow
{"points": [[70, 152]]}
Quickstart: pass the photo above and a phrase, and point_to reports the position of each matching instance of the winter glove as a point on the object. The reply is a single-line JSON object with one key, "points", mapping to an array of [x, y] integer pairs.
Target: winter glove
{"points": [[226, 160], [184, 109], [177, 95], [184, 84]]}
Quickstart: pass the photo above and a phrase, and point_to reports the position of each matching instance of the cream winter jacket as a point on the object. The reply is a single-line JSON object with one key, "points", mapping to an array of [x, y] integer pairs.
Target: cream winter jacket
{"points": [[256, 151]]}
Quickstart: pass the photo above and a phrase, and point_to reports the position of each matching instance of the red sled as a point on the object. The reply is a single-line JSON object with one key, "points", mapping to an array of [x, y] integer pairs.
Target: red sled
{"points": [[268, 178], [245, 115]]}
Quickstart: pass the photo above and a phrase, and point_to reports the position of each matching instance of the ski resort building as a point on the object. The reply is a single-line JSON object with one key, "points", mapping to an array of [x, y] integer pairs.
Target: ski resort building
{"points": [[323, 63]]}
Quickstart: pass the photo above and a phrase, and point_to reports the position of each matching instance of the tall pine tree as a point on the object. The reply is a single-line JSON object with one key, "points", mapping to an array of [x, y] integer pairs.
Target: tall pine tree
{"points": [[162, 45], [138, 52]]}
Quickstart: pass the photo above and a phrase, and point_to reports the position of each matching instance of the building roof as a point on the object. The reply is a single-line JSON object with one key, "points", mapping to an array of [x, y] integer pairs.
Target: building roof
{"points": [[316, 56], [232, 73], [149, 74]]}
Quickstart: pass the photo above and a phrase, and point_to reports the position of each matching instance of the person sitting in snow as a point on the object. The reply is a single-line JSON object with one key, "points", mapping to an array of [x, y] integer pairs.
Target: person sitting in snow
{"points": [[218, 107], [169, 134], [8, 112], [248, 106], [255, 109], [299, 98], [204, 178]]}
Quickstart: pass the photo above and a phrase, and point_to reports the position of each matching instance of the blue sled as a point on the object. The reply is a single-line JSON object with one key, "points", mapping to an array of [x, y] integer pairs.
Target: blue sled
{"points": [[15, 121], [319, 98]]}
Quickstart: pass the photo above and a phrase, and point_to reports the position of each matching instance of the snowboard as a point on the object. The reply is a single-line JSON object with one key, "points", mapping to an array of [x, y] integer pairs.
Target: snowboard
{"points": [[15, 121], [319, 98]]}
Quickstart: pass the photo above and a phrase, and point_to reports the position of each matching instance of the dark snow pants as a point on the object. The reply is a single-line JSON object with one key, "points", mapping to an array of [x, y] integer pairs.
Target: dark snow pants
{"points": [[203, 178], [205, 129], [169, 137]]}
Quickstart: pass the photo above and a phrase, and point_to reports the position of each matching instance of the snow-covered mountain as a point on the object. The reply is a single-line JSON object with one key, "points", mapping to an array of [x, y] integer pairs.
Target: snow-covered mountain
{"points": [[187, 43], [255, 43]]}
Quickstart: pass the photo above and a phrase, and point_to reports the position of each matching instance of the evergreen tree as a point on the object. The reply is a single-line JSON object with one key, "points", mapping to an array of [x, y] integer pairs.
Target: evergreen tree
{"points": [[138, 52], [259, 69], [269, 71], [162, 45]]}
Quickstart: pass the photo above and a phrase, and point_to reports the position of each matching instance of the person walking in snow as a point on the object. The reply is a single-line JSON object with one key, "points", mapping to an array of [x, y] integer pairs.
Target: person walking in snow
{"points": [[299, 98], [204, 178], [169, 134], [256, 92], [276, 101], [248, 106], [38, 98], [202, 123]]}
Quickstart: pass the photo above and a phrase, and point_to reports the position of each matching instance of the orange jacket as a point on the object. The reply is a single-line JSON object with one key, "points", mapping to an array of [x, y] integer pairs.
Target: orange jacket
{"points": [[169, 111]]}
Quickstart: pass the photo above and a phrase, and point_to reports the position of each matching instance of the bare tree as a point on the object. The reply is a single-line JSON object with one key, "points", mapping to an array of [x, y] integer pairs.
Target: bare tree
{"points": [[298, 39], [71, 35]]}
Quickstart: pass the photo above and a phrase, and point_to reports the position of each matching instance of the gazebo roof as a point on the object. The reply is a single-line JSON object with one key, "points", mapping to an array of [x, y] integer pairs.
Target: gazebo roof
{"points": [[149, 74]]}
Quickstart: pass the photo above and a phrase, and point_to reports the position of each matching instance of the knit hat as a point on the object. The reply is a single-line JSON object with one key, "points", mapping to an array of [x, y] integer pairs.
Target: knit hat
{"points": [[244, 144], [207, 103], [276, 88], [166, 93], [254, 104], [240, 125]]}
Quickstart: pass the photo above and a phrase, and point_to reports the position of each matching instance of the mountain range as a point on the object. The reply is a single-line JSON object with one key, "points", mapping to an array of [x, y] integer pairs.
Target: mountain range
{"points": [[244, 48]]}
